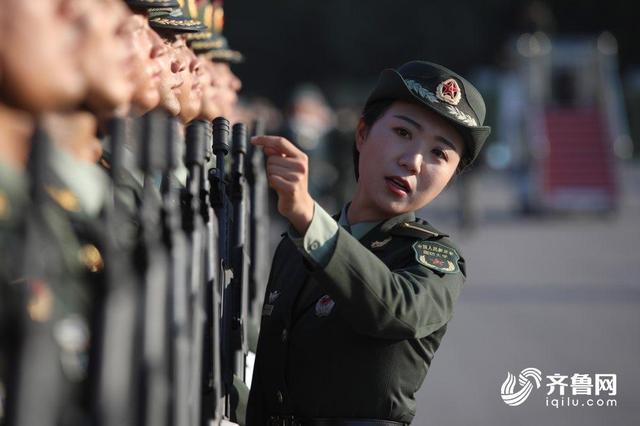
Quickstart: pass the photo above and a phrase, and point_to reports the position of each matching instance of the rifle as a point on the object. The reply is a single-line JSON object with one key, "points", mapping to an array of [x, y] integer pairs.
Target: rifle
{"points": [[153, 258], [117, 328], [239, 254], [195, 223], [259, 229], [221, 204], [211, 379], [176, 245]]}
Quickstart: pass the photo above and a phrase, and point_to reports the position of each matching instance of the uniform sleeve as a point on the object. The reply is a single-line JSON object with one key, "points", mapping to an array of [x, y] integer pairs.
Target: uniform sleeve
{"points": [[319, 242], [412, 302]]}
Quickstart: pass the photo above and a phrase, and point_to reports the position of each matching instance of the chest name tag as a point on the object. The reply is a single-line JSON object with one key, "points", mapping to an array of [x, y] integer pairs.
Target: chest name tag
{"points": [[437, 256]]}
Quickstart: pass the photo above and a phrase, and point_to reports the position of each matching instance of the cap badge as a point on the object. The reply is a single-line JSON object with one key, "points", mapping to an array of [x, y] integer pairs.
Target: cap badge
{"points": [[324, 306], [449, 92], [419, 90]]}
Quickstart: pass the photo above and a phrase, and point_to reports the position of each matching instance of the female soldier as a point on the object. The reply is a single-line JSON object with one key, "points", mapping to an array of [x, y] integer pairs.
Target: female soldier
{"points": [[356, 305]]}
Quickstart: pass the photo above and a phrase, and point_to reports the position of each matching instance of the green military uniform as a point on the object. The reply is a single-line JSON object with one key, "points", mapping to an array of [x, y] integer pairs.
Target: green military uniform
{"points": [[52, 302], [351, 322], [13, 198]]}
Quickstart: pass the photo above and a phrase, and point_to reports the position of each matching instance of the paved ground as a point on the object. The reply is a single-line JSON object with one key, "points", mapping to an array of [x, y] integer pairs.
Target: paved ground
{"points": [[558, 294]]}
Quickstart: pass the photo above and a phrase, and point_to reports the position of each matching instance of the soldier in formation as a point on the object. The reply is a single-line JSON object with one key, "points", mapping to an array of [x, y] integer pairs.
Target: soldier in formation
{"points": [[125, 215], [133, 232]]}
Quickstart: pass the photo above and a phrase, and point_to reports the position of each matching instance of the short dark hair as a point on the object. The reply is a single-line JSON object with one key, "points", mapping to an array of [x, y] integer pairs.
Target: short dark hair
{"points": [[371, 113]]}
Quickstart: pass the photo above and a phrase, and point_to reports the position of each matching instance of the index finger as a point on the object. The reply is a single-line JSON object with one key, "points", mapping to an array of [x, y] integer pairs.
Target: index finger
{"points": [[278, 144]]}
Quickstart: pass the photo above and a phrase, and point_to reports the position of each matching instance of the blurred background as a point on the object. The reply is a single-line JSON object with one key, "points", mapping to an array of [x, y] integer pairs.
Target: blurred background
{"points": [[547, 218]]}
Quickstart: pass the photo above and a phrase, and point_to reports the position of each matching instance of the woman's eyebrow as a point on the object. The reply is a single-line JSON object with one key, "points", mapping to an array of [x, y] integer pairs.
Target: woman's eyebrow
{"points": [[441, 139], [409, 120], [447, 142]]}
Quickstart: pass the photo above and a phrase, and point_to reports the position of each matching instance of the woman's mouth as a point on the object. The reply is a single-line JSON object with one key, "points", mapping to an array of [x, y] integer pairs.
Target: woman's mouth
{"points": [[398, 186]]}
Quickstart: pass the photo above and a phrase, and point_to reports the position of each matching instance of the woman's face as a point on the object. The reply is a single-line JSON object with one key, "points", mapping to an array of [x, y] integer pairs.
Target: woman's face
{"points": [[407, 157]]}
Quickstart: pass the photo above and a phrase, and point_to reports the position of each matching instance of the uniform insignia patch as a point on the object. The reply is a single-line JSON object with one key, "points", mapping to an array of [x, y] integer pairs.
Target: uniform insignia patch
{"points": [[267, 310], [449, 91], [378, 244], [273, 296], [436, 256], [324, 306]]}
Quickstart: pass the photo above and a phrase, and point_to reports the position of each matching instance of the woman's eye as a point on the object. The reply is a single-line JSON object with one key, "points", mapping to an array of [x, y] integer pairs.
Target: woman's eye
{"points": [[402, 132], [440, 154]]}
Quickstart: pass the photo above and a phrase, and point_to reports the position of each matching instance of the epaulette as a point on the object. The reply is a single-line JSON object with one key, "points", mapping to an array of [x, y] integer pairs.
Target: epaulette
{"points": [[417, 229]]}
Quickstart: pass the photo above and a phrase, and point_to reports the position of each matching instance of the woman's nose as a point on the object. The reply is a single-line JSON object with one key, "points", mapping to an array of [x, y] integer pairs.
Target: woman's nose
{"points": [[411, 161]]}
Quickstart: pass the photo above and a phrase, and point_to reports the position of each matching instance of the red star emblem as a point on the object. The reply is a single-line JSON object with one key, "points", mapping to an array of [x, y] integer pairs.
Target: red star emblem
{"points": [[449, 91]]}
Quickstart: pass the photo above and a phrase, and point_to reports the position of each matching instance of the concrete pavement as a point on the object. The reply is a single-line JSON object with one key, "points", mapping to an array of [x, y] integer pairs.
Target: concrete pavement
{"points": [[561, 294]]}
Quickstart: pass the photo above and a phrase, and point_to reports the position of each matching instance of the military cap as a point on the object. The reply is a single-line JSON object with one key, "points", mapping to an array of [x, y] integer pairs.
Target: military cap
{"points": [[216, 48], [211, 43], [442, 91], [148, 4], [173, 20]]}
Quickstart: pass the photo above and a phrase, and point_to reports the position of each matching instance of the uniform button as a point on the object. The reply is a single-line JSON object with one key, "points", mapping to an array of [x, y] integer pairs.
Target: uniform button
{"points": [[314, 245], [280, 397], [284, 335]]}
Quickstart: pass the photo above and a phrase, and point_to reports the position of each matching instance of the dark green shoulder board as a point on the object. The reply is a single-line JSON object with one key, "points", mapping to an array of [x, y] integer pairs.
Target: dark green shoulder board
{"points": [[417, 229]]}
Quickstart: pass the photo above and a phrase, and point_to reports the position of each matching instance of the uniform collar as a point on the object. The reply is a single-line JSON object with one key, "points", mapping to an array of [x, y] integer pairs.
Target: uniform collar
{"points": [[359, 230], [86, 180]]}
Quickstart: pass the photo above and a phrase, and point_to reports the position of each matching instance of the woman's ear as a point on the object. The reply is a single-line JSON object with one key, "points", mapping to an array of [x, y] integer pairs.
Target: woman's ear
{"points": [[361, 133]]}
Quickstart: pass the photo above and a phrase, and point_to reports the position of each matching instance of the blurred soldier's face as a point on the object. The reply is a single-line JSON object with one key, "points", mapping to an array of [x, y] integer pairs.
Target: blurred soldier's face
{"points": [[210, 102], [407, 157], [227, 85], [147, 71], [190, 93], [171, 68], [40, 63], [108, 56]]}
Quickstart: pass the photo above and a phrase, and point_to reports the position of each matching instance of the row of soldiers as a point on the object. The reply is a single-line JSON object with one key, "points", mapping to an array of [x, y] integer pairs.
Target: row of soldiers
{"points": [[133, 234]]}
